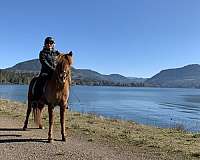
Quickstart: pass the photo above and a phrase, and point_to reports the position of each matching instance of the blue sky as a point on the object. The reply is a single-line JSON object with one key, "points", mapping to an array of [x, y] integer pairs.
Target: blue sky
{"points": [[137, 38]]}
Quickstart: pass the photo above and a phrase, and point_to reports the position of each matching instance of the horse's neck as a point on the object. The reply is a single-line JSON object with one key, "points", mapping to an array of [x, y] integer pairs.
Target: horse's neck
{"points": [[56, 93], [56, 84]]}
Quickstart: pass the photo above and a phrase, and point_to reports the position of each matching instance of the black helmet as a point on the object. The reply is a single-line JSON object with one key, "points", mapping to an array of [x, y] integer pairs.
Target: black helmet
{"points": [[49, 40]]}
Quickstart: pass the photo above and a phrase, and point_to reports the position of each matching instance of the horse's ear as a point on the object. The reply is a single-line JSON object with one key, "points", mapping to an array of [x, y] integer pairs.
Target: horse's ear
{"points": [[70, 53], [69, 57]]}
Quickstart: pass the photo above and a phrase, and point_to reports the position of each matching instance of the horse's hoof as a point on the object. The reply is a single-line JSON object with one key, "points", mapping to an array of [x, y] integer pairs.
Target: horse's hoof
{"points": [[50, 140], [24, 128], [41, 127], [64, 139]]}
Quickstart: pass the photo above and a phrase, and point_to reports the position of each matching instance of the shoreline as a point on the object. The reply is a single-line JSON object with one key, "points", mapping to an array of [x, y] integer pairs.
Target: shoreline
{"points": [[127, 136], [172, 125]]}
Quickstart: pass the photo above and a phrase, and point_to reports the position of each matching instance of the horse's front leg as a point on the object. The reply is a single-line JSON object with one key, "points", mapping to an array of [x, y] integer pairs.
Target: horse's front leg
{"points": [[51, 119], [62, 121]]}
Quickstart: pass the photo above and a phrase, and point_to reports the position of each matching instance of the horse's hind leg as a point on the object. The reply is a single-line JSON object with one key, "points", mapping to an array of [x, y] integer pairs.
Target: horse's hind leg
{"points": [[62, 122], [51, 119], [40, 118], [27, 115]]}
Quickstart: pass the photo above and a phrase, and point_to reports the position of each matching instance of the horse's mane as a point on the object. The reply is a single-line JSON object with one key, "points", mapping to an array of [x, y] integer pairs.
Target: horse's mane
{"points": [[60, 58], [63, 58]]}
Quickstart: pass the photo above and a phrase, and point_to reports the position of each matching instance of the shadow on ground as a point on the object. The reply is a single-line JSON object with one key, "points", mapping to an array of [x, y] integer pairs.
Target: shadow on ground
{"points": [[22, 140], [11, 129], [6, 136], [16, 129]]}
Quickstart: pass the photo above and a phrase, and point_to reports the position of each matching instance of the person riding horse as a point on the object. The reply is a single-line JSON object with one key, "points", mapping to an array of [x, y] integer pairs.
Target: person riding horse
{"points": [[47, 57], [54, 92]]}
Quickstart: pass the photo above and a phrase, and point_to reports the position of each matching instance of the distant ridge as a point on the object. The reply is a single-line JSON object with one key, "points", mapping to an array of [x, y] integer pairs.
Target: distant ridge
{"points": [[27, 66], [184, 77], [187, 77], [80, 76]]}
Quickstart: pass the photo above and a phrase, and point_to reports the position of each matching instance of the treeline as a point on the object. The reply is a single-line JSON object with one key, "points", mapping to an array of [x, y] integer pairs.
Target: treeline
{"points": [[106, 83], [14, 77]]}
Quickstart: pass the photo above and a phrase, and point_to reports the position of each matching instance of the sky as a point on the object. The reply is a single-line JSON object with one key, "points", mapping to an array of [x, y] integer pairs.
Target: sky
{"points": [[134, 38]]}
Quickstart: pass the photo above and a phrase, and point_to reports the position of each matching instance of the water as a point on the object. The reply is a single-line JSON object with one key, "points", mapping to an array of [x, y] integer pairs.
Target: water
{"points": [[161, 107]]}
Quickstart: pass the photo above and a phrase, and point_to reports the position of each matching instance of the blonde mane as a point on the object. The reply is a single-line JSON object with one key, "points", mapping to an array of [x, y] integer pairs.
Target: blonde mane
{"points": [[62, 57]]}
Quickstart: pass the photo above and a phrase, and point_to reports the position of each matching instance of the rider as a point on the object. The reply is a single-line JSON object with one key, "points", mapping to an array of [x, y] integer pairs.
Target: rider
{"points": [[47, 57]]}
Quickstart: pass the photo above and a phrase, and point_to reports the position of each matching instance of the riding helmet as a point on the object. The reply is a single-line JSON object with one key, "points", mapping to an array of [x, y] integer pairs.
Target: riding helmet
{"points": [[49, 40]]}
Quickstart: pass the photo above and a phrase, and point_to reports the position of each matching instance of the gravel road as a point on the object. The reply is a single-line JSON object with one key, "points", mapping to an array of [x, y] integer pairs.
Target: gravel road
{"points": [[16, 144]]}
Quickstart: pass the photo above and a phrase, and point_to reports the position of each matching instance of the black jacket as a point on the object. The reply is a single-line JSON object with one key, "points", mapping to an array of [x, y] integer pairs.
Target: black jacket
{"points": [[48, 60]]}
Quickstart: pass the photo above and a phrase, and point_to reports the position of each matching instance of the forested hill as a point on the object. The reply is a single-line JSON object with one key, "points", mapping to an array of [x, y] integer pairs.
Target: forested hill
{"points": [[27, 66], [186, 77], [24, 71]]}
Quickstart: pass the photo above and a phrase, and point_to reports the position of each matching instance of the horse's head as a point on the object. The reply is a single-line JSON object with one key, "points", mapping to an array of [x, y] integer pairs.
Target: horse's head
{"points": [[63, 67]]}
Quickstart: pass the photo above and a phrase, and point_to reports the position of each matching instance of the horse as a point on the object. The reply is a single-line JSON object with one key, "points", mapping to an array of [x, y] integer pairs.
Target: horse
{"points": [[55, 93]]}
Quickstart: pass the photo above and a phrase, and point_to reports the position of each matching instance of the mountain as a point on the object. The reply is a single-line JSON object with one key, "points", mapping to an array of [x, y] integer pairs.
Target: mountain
{"points": [[27, 66], [80, 76], [86, 74], [186, 77]]}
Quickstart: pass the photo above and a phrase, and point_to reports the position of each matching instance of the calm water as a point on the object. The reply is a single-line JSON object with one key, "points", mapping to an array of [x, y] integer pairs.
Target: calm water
{"points": [[160, 107]]}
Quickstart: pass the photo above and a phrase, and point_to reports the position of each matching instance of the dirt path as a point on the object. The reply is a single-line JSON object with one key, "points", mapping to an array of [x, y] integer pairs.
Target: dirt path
{"points": [[16, 144]]}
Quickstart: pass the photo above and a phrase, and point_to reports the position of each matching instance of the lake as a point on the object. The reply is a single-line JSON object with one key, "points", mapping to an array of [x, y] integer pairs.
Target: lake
{"points": [[161, 107]]}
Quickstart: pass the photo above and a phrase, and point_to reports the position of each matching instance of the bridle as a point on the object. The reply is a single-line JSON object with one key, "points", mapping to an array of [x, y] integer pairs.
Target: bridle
{"points": [[62, 77]]}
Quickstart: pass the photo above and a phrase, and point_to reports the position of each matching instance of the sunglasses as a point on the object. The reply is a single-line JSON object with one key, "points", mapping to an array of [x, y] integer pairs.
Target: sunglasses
{"points": [[50, 42]]}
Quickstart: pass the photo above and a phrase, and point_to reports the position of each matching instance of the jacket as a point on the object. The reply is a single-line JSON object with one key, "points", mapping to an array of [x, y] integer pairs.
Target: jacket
{"points": [[47, 59]]}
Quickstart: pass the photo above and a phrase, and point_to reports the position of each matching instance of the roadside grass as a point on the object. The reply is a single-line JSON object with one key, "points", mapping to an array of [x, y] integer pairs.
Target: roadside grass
{"points": [[131, 135], [118, 133]]}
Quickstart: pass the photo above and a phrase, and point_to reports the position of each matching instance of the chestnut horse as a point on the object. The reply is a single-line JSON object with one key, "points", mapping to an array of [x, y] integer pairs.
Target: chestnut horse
{"points": [[55, 93]]}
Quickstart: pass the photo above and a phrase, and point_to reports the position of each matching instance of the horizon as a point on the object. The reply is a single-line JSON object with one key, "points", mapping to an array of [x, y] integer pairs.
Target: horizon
{"points": [[75, 68], [109, 73], [132, 38]]}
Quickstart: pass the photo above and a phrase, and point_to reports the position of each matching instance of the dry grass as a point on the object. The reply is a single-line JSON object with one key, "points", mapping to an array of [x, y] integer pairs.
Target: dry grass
{"points": [[120, 134]]}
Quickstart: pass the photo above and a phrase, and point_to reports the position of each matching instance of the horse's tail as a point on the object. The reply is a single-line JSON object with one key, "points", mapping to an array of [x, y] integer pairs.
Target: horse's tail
{"points": [[34, 101]]}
